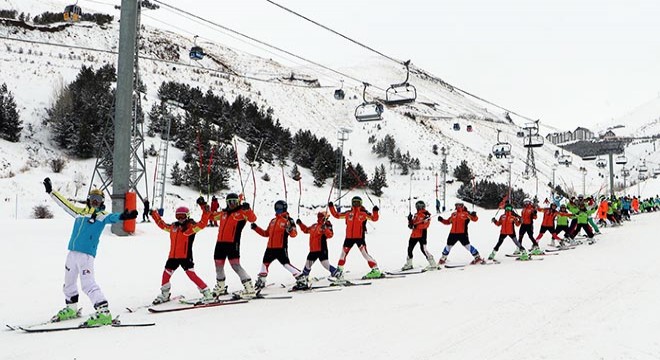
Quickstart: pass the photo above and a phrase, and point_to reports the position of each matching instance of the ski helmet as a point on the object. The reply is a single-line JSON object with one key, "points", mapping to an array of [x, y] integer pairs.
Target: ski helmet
{"points": [[280, 206], [232, 200], [459, 203], [508, 207], [182, 213], [321, 216], [527, 201], [356, 201], [419, 205], [96, 195]]}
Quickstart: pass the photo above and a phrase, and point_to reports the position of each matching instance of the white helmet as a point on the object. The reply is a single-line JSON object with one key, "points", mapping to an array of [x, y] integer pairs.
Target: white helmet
{"points": [[527, 200]]}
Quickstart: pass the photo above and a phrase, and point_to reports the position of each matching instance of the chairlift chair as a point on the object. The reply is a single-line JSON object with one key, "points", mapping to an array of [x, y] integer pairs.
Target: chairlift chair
{"points": [[589, 157], [468, 128], [601, 163], [533, 141], [339, 93], [621, 160], [565, 160], [72, 13], [401, 93], [457, 127], [625, 172], [501, 149], [520, 134], [368, 110], [656, 171], [642, 168]]}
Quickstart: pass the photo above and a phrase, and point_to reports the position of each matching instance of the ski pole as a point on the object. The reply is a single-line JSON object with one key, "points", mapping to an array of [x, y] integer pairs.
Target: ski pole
{"points": [[286, 193], [299, 193], [256, 155], [437, 200], [199, 150], [238, 165], [208, 175], [410, 195]]}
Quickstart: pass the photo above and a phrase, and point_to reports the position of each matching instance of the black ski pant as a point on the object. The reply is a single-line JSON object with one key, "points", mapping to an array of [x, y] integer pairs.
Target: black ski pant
{"points": [[500, 240], [527, 229], [587, 229], [422, 246]]}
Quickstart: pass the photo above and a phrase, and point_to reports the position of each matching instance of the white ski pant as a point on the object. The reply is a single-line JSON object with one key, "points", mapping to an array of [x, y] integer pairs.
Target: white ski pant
{"points": [[81, 265]]}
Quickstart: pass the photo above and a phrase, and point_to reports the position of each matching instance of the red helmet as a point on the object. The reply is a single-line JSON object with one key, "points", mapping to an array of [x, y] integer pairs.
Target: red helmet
{"points": [[182, 211]]}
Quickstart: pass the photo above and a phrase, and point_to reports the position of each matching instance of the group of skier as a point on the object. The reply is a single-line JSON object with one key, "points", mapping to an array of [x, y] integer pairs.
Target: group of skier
{"points": [[569, 218]]}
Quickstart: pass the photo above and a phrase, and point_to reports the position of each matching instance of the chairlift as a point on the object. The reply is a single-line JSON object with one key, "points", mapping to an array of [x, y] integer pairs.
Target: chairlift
{"points": [[601, 163], [642, 168], [565, 160], [641, 175], [457, 127], [621, 160], [625, 172], [656, 171], [533, 141], [368, 110], [339, 93], [401, 93], [72, 13], [468, 128], [196, 52], [589, 157], [520, 134], [501, 149]]}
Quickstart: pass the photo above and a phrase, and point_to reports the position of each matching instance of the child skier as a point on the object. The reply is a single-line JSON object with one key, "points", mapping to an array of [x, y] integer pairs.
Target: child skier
{"points": [[528, 215], [548, 224], [356, 228], [182, 234], [419, 224], [459, 221], [318, 247], [278, 231], [87, 227], [507, 222], [232, 220]]}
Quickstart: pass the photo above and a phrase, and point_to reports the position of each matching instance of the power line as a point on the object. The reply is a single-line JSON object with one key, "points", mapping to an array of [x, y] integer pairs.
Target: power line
{"points": [[261, 42]]}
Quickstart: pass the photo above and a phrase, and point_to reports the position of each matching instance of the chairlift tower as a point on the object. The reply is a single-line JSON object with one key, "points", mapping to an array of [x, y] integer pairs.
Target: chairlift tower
{"points": [[342, 135], [160, 174], [444, 169], [124, 147], [530, 164]]}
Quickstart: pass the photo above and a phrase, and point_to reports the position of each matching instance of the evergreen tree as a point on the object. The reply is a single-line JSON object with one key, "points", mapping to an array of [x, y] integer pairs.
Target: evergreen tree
{"points": [[295, 173], [10, 122], [177, 176], [463, 173], [378, 181]]}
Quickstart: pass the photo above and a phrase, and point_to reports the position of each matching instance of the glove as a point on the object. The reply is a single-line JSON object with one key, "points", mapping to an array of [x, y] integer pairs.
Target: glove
{"points": [[375, 208], [298, 222], [330, 204], [48, 185], [253, 226], [410, 226], [474, 213], [440, 218], [128, 215], [493, 220], [201, 201], [410, 217], [292, 224], [245, 206]]}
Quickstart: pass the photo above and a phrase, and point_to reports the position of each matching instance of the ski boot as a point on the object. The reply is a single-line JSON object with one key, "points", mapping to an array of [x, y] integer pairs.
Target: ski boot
{"points": [[71, 311], [260, 283], [248, 292], [432, 265], [552, 243], [523, 255], [302, 282], [220, 288], [207, 296], [477, 260], [536, 251], [374, 274], [408, 265], [517, 252], [101, 317], [492, 255], [164, 295], [339, 273], [443, 260]]}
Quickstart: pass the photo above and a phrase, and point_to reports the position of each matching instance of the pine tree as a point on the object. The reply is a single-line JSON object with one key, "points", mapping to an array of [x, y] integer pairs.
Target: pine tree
{"points": [[10, 122], [377, 181], [463, 173], [177, 177]]}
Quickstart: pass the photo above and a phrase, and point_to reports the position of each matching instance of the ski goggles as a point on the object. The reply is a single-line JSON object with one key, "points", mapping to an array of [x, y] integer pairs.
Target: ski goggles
{"points": [[232, 202], [181, 216], [356, 202], [420, 205], [95, 198]]}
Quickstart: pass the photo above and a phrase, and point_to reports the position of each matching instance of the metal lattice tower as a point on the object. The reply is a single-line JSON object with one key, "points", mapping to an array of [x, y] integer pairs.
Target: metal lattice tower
{"points": [[103, 167], [530, 164]]}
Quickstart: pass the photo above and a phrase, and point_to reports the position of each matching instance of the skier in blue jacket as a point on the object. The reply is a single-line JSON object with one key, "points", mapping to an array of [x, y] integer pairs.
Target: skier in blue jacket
{"points": [[87, 228]]}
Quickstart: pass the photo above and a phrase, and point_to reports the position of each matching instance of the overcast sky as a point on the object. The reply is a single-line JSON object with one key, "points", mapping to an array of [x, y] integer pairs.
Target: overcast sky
{"points": [[566, 62]]}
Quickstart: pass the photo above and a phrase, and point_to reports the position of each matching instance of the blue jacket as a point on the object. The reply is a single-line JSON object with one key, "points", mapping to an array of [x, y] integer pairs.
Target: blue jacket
{"points": [[86, 231], [626, 204]]}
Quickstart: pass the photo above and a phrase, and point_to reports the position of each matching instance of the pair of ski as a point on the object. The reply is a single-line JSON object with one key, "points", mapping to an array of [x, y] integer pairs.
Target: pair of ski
{"points": [[46, 326], [484, 262], [199, 304]]}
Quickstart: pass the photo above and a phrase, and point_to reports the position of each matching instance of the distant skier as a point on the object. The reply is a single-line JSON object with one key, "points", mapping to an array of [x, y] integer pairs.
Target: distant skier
{"points": [[582, 216], [145, 212], [356, 227], [319, 233], [182, 234], [87, 228], [215, 205], [548, 224], [459, 221], [419, 224], [228, 246], [280, 228], [507, 222]]}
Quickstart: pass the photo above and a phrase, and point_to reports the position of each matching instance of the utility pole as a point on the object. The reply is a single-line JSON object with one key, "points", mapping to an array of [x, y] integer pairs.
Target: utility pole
{"points": [[510, 161], [554, 169], [584, 180], [611, 161], [342, 135], [123, 109], [625, 173], [444, 169]]}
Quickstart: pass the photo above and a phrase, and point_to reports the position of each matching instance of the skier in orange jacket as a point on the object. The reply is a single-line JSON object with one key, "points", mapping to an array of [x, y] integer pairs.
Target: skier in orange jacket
{"points": [[459, 221]]}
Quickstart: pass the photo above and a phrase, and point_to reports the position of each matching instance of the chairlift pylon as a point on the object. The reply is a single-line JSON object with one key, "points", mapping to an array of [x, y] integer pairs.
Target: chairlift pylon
{"points": [[501, 149], [339, 93], [196, 52], [72, 13], [368, 110], [401, 93]]}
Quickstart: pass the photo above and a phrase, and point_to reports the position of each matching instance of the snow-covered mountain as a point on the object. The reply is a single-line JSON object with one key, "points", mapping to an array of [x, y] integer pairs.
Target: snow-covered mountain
{"points": [[642, 121], [34, 71]]}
